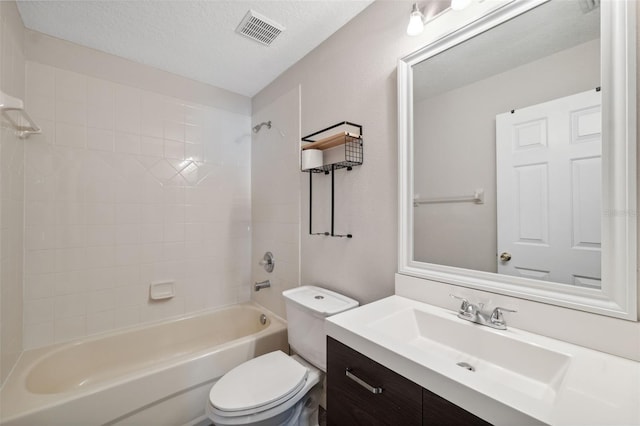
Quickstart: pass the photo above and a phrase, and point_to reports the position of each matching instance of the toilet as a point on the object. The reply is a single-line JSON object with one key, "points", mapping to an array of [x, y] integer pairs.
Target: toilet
{"points": [[275, 388]]}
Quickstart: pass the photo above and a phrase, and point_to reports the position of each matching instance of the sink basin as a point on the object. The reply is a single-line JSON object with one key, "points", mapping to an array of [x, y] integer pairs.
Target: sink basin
{"points": [[485, 354]]}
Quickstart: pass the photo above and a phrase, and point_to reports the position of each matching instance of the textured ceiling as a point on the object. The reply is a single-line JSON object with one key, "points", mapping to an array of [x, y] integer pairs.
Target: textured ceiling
{"points": [[195, 39]]}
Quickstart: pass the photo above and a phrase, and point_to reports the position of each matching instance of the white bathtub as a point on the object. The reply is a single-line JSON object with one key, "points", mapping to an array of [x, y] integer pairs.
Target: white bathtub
{"points": [[158, 374]]}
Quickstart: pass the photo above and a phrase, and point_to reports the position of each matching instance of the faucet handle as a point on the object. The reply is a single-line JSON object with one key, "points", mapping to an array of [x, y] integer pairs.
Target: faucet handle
{"points": [[465, 303], [496, 316]]}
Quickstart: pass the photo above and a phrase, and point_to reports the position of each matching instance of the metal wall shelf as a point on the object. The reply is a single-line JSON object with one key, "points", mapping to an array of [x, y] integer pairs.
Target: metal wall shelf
{"points": [[353, 156], [352, 143]]}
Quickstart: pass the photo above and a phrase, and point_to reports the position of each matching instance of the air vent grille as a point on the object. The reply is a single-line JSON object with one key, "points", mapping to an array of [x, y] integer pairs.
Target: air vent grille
{"points": [[259, 28]]}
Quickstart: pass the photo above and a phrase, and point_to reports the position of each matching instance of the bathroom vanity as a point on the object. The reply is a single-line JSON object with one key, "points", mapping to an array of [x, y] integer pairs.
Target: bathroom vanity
{"points": [[393, 400], [401, 361]]}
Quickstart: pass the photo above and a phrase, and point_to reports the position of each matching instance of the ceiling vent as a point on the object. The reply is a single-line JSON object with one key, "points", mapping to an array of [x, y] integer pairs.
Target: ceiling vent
{"points": [[259, 28]]}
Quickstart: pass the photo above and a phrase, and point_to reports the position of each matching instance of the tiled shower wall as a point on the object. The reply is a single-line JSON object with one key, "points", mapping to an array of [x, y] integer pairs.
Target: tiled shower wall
{"points": [[126, 187], [11, 193], [275, 199]]}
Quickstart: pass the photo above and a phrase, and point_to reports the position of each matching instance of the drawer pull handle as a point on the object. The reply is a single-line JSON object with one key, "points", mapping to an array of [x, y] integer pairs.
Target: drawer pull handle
{"points": [[362, 383]]}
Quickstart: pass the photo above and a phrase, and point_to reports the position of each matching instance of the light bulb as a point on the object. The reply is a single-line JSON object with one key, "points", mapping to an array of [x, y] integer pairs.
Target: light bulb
{"points": [[416, 24], [459, 4]]}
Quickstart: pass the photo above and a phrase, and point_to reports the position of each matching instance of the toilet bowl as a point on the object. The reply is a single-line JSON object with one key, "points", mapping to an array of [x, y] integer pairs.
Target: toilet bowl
{"points": [[277, 389], [273, 389]]}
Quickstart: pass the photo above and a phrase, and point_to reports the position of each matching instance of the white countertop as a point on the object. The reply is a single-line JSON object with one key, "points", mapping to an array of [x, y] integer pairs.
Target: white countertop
{"points": [[594, 387]]}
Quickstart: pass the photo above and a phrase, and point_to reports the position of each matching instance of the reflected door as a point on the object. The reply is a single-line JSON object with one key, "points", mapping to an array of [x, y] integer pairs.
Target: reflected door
{"points": [[549, 190]]}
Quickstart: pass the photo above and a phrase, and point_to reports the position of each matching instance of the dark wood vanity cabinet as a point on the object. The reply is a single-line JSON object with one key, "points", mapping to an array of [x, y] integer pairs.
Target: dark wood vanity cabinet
{"points": [[350, 403], [354, 400], [437, 411]]}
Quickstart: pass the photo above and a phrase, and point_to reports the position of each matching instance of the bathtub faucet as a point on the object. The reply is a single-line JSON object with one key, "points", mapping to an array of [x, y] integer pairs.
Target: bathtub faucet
{"points": [[262, 284]]}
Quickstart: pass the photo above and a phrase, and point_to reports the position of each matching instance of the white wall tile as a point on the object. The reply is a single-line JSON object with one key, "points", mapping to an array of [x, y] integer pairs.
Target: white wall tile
{"points": [[174, 213], [173, 232], [101, 116], [40, 237], [36, 335], [127, 142], [101, 278], [101, 92], [70, 305], [99, 322], [193, 134], [71, 236], [152, 115], [41, 80], [128, 234], [71, 135], [39, 286], [71, 112], [127, 254], [69, 328], [100, 235], [194, 115], [131, 295], [174, 110], [38, 311], [174, 130], [39, 189], [127, 213], [100, 139], [41, 108], [173, 250], [70, 86], [113, 205], [100, 300], [152, 146], [127, 107], [40, 261], [152, 213], [99, 214], [174, 149], [99, 256], [127, 316], [69, 282], [193, 151], [151, 253], [274, 223], [151, 233]]}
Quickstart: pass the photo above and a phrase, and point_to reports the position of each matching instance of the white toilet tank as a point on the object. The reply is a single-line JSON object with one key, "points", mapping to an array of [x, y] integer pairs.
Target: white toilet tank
{"points": [[307, 307]]}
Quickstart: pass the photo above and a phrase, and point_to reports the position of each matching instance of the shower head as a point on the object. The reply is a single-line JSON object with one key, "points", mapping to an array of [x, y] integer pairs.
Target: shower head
{"points": [[257, 128]]}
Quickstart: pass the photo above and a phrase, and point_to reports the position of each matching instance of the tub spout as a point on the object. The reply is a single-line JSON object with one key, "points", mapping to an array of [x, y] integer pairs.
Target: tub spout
{"points": [[262, 284]]}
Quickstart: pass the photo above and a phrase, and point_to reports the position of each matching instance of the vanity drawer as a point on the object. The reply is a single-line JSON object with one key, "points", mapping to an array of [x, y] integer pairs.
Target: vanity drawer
{"points": [[437, 411], [351, 403]]}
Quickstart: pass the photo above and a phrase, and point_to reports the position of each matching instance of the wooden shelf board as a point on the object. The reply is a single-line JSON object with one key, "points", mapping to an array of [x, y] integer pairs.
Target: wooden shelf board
{"points": [[330, 141]]}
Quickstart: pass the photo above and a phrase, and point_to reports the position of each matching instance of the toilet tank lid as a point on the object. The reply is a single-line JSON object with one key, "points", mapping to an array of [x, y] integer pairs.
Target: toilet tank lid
{"points": [[319, 300]]}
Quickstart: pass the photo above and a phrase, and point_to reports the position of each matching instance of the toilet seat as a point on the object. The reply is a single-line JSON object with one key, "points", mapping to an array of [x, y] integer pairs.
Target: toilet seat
{"points": [[258, 385]]}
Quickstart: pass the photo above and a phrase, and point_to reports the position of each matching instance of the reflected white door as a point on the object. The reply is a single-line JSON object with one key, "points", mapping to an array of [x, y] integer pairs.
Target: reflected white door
{"points": [[549, 190]]}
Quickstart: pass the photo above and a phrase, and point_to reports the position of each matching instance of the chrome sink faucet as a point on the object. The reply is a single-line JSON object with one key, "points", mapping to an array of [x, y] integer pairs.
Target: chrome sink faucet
{"points": [[475, 313]]}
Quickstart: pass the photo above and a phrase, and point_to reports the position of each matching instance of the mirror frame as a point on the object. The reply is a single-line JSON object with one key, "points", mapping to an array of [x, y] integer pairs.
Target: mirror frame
{"points": [[618, 294]]}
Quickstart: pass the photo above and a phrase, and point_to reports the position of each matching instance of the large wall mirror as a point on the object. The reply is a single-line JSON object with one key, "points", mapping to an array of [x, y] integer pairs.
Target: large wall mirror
{"points": [[517, 155]]}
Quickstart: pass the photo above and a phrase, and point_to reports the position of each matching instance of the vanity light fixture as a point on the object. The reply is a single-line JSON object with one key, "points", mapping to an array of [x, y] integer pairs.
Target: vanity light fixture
{"points": [[417, 19]]}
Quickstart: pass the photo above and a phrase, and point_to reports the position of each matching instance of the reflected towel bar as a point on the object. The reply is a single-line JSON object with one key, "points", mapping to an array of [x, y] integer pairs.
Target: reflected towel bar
{"points": [[477, 198]]}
